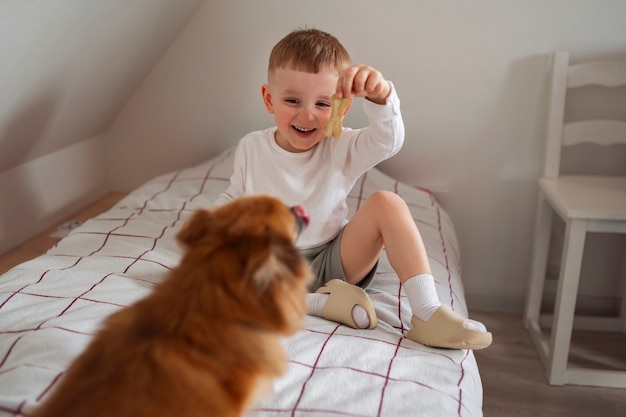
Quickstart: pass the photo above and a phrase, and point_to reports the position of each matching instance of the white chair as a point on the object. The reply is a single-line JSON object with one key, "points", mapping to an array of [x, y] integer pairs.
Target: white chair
{"points": [[585, 204]]}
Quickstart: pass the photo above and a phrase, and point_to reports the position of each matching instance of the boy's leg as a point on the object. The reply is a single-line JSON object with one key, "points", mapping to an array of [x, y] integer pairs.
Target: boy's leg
{"points": [[384, 219], [331, 296]]}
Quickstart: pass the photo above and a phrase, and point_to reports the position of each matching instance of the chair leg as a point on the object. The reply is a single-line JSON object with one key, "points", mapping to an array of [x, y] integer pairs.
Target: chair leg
{"points": [[539, 261], [622, 311], [567, 292]]}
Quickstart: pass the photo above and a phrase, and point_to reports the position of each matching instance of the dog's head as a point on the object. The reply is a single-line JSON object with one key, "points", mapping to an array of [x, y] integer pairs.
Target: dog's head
{"points": [[244, 253]]}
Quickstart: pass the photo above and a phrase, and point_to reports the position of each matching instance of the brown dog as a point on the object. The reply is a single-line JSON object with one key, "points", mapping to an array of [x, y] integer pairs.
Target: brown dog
{"points": [[208, 336]]}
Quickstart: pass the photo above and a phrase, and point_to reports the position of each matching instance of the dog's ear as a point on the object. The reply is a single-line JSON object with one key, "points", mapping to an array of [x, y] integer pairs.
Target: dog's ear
{"points": [[281, 280], [194, 229], [274, 266], [271, 269]]}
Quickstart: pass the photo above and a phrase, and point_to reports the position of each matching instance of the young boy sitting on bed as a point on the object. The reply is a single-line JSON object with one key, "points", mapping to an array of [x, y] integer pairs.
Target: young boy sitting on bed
{"points": [[297, 163]]}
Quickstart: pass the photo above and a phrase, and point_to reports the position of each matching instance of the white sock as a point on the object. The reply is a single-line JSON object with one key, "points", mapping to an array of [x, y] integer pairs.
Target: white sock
{"points": [[424, 301], [475, 325], [422, 295], [315, 306]]}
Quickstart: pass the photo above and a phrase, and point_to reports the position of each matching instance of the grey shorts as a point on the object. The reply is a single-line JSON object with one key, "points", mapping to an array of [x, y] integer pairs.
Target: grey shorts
{"points": [[325, 261]]}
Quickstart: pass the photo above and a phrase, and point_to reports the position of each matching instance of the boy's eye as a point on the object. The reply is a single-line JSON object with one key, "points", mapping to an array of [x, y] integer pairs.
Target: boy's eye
{"points": [[291, 101], [323, 104]]}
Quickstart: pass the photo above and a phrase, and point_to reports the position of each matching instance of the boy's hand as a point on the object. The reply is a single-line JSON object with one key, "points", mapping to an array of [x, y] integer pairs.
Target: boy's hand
{"points": [[363, 81]]}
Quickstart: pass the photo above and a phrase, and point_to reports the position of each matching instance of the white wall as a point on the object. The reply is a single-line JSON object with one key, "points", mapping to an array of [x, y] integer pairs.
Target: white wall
{"points": [[471, 76], [43, 191], [66, 69]]}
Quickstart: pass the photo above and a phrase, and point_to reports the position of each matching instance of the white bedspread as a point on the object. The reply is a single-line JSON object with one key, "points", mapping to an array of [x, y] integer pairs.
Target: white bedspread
{"points": [[50, 307]]}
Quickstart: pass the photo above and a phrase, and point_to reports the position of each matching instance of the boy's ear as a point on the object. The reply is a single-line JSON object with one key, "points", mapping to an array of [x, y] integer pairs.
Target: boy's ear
{"points": [[267, 98]]}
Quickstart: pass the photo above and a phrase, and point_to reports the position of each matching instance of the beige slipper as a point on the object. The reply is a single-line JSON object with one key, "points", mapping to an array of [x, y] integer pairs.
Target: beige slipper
{"points": [[446, 329], [342, 298]]}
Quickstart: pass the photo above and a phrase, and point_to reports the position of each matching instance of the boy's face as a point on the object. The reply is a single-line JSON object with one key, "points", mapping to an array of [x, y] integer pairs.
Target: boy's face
{"points": [[300, 103]]}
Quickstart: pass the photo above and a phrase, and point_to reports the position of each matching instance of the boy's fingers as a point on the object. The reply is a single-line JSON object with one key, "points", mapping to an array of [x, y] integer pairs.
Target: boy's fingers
{"points": [[359, 84], [360, 81], [345, 84], [376, 88]]}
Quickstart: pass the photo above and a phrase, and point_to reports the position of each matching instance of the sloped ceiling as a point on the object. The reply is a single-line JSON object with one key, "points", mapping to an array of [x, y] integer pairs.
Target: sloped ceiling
{"points": [[68, 66]]}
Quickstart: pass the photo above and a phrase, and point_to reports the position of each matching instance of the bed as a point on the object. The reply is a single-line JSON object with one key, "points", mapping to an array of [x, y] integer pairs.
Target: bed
{"points": [[52, 305]]}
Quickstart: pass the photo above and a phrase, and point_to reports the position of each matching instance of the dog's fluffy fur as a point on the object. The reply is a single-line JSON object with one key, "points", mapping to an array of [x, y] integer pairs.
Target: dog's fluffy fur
{"points": [[205, 339]]}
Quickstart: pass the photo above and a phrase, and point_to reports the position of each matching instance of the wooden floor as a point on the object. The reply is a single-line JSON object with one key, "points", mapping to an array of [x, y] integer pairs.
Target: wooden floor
{"points": [[512, 374]]}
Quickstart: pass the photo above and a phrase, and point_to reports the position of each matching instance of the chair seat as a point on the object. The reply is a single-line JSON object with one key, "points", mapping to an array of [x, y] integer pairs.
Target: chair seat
{"points": [[588, 197]]}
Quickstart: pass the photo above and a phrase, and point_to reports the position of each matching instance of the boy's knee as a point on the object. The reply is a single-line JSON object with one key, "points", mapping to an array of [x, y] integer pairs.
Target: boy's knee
{"points": [[387, 200]]}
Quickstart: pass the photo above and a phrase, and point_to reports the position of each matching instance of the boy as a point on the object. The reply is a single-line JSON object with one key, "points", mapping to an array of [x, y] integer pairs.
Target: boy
{"points": [[297, 163]]}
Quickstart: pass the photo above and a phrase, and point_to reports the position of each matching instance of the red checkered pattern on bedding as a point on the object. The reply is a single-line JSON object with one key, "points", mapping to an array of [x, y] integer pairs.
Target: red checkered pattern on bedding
{"points": [[50, 307]]}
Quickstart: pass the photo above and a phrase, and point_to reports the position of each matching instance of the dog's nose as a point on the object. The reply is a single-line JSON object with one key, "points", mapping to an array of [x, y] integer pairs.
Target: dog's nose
{"points": [[302, 217]]}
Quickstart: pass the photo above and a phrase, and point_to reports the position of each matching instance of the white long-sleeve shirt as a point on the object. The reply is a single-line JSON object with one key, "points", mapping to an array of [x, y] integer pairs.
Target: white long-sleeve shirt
{"points": [[320, 178]]}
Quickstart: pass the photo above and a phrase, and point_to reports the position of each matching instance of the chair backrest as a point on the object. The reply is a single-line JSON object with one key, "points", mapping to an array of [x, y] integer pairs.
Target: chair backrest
{"points": [[565, 77]]}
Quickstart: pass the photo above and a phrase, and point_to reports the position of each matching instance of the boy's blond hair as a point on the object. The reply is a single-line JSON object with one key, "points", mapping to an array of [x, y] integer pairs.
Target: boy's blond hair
{"points": [[309, 50]]}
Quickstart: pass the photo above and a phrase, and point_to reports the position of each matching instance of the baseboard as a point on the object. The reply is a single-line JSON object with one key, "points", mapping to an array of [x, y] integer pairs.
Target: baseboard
{"points": [[585, 305], [491, 302]]}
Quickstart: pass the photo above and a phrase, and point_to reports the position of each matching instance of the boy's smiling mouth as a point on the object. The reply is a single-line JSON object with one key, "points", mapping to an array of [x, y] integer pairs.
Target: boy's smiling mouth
{"points": [[303, 130]]}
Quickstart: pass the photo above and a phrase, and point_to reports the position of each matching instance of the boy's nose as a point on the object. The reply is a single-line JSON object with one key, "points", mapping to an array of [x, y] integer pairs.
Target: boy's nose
{"points": [[307, 115]]}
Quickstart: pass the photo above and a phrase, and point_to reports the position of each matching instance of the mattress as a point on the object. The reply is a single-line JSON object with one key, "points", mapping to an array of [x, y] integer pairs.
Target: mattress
{"points": [[51, 306]]}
